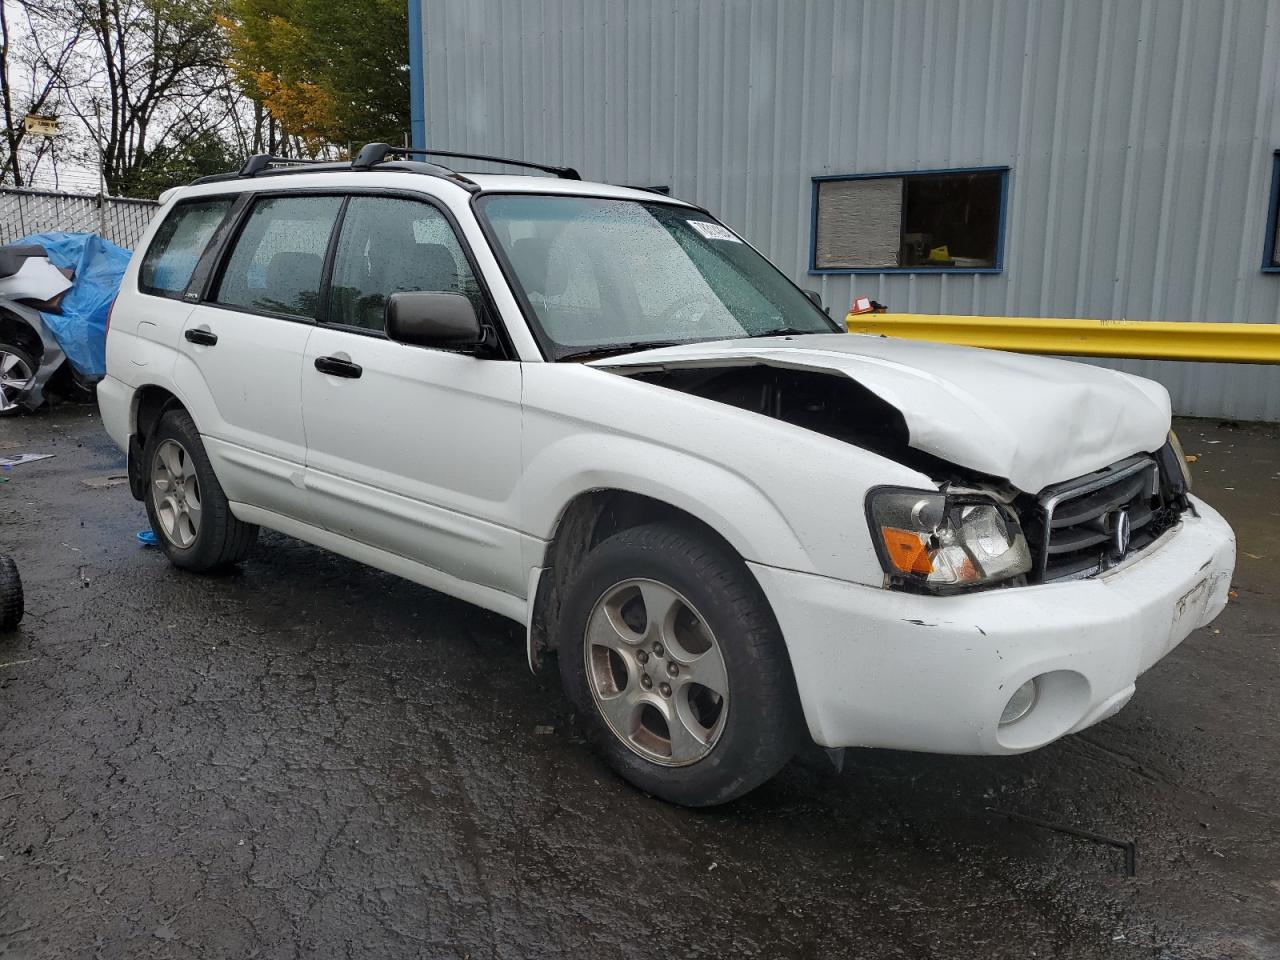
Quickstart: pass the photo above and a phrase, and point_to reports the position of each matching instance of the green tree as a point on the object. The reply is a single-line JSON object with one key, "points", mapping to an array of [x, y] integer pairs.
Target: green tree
{"points": [[197, 153], [329, 71]]}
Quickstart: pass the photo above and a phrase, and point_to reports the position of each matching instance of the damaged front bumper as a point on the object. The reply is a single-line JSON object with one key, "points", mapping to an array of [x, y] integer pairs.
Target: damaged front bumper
{"points": [[880, 668], [48, 363]]}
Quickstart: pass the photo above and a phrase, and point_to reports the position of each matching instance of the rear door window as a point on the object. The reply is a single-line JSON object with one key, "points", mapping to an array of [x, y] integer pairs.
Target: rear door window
{"points": [[178, 245], [276, 264]]}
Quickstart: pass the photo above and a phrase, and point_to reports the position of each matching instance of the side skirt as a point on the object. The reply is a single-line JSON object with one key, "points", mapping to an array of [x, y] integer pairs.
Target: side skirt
{"points": [[516, 608]]}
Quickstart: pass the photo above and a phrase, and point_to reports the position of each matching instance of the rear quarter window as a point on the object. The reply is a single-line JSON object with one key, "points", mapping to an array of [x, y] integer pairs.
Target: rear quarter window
{"points": [[178, 245]]}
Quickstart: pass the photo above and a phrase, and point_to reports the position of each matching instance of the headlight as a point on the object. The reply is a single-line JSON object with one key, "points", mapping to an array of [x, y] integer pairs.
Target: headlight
{"points": [[1182, 459], [936, 541]]}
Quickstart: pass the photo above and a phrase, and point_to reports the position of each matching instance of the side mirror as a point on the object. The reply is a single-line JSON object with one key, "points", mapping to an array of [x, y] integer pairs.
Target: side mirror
{"points": [[432, 320], [816, 297]]}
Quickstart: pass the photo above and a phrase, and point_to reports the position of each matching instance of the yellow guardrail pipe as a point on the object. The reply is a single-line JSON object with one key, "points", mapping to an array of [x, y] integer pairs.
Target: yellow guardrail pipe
{"points": [[1140, 339]]}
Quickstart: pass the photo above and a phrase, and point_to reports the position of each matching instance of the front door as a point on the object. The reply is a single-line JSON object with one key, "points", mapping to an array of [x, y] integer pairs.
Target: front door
{"points": [[412, 450]]}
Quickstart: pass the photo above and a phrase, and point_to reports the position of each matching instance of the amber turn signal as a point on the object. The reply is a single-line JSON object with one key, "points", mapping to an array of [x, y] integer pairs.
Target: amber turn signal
{"points": [[906, 550]]}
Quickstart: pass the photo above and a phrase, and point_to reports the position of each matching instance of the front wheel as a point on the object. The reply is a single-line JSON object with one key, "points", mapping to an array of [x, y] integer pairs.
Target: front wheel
{"points": [[186, 506], [672, 656]]}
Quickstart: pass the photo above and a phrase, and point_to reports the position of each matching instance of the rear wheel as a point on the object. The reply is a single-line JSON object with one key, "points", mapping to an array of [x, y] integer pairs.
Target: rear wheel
{"points": [[673, 658], [17, 373], [186, 506]]}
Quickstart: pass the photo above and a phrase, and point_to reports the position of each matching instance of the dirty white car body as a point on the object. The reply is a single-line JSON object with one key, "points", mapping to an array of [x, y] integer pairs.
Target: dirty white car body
{"points": [[462, 473]]}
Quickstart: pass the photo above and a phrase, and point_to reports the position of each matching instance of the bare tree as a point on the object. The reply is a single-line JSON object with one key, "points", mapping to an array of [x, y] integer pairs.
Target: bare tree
{"points": [[143, 87], [149, 74], [36, 54]]}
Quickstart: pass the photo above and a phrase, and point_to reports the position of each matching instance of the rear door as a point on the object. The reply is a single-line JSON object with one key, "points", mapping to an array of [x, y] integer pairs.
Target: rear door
{"points": [[146, 329], [242, 349], [412, 450]]}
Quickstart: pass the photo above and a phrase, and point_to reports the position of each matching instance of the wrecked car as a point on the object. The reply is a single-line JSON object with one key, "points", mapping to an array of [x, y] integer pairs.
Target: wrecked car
{"points": [[56, 291], [603, 414], [29, 354]]}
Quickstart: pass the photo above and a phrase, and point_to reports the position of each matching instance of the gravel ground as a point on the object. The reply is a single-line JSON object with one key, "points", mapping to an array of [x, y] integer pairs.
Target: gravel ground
{"points": [[308, 758]]}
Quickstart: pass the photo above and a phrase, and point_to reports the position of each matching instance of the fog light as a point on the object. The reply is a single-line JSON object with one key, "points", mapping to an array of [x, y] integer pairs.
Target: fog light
{"points": [[1020, 704]]}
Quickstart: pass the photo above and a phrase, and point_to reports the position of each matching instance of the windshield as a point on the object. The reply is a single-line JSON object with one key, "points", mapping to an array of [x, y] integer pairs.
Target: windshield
{"points": [[606, 275]]}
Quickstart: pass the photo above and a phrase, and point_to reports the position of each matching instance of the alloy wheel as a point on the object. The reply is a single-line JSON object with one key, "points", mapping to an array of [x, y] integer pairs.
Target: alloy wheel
{"points": [[175, 493], [656, 672], [15, 379]]}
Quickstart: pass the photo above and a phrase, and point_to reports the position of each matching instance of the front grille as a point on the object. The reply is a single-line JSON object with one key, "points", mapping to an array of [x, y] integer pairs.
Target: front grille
{"points": [[1075, 528]]}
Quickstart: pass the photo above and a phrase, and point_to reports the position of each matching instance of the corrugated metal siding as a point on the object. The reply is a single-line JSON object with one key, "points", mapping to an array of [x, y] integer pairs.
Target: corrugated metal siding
{"points": [[1139, 132]]}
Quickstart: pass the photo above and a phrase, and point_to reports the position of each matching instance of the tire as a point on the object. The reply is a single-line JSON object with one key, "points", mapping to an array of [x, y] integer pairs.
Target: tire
{"points": [[13, 359], [707, 602], [11, 604], [195, 526]]}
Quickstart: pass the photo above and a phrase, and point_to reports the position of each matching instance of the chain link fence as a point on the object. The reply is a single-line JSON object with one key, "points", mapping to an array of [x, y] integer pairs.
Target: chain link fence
{"points": [[119, 219]]}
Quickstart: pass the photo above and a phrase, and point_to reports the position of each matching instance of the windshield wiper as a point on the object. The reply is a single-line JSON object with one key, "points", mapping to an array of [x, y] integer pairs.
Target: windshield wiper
{"points": [[786, 332], [613, 349]]}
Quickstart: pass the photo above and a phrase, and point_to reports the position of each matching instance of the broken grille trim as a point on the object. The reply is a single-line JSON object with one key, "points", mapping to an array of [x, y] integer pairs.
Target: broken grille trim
{"points": [[1051, 498]]}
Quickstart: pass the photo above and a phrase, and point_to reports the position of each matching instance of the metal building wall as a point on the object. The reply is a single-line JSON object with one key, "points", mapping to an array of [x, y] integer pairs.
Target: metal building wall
{"points": [[1140, 135]]}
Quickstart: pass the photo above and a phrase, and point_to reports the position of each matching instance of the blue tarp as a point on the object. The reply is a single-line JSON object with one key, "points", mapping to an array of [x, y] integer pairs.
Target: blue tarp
{"points": [[81, 326]]}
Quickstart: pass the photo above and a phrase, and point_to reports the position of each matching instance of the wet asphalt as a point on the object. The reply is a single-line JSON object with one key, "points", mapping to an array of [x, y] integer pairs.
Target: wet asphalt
{"points": [[309, 758]]}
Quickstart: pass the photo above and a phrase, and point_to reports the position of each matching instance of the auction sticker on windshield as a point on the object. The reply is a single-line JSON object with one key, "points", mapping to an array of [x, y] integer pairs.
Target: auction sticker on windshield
{"points": [[714, 231]]}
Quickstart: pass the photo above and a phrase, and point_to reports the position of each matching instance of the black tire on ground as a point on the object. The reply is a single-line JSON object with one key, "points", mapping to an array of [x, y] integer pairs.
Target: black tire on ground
{"points": [[220, 540], [32, 364], [11, 604], [763, 725]]}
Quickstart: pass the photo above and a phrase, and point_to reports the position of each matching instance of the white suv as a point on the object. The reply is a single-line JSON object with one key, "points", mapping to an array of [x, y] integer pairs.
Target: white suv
{"points": [[602, 413]]}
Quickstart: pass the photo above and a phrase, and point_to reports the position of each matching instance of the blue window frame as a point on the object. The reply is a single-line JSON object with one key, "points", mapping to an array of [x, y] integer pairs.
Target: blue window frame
{"points": [[1270, 249], [910, 221]]}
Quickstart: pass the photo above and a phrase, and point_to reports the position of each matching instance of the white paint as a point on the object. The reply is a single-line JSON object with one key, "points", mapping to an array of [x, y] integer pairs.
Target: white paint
{"points": [[884, 669], [1030, 420], [420, 455], [36, 279], [245, 393]]}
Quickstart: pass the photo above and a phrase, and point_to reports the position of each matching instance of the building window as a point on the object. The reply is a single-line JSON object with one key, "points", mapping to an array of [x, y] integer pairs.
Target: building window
{"points": [[944, 221], [1271, 244]]}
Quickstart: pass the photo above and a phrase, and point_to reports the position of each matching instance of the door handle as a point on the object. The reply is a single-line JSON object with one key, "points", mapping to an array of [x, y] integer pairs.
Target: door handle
{"points": [[337, 367], [202, 336]]}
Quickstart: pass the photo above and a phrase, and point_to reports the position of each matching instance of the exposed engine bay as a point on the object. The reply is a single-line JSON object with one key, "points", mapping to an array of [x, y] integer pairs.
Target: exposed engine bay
{"points": [[835, 406]]}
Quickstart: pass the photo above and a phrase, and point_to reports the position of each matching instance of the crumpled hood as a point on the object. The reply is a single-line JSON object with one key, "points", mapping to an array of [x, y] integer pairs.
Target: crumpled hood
{"points": [[1031, 420]]}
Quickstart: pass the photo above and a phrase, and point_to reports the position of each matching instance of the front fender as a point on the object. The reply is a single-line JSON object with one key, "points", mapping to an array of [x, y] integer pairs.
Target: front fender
{"points": [[779, 494], [725, 501]]}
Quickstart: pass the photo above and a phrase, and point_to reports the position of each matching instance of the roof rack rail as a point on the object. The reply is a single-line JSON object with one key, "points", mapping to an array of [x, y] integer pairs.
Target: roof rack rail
{"points": [[262, 161], [374, 153]]}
